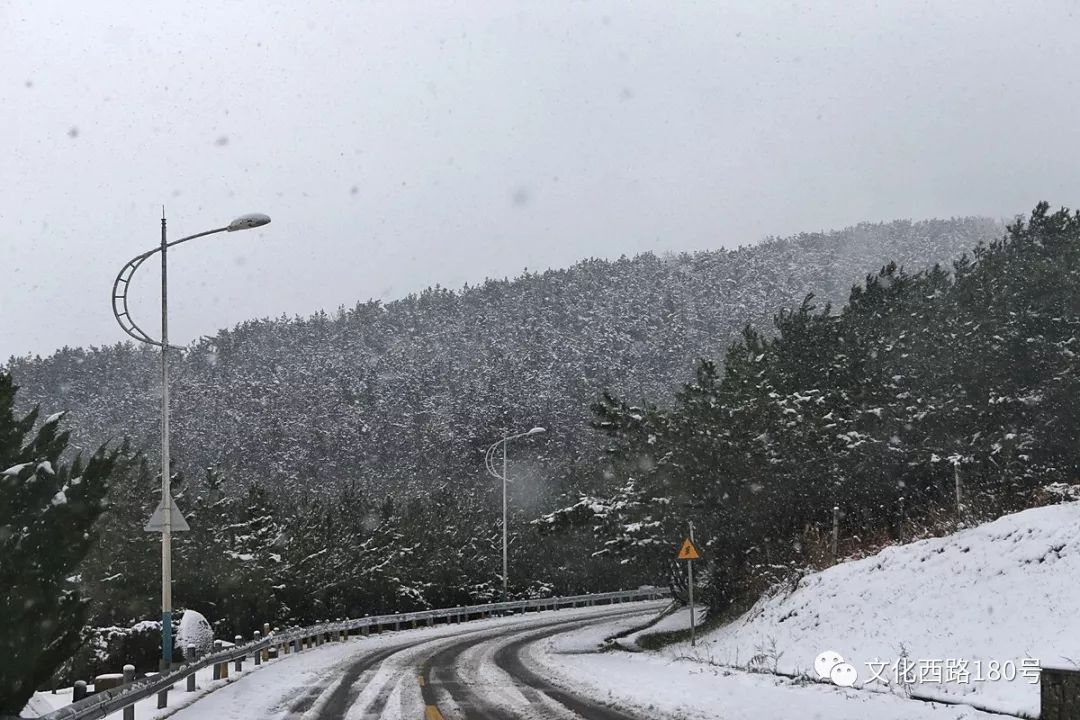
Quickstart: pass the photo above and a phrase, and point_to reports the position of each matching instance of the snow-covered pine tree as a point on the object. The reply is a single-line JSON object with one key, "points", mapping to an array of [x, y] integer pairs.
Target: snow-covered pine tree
{"points": [[205, 571], [47, 515], [255, 549], [122, 571]]}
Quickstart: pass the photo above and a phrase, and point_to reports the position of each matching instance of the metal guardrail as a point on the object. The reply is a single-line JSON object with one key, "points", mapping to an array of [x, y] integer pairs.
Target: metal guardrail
{"points": [[107, 702]]}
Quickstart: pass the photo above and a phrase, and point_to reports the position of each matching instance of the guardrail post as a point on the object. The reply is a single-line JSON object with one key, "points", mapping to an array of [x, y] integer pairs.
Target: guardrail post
{"points": [[191, 678], [129, 676], [240, 660], [163, 699], [430, 620], [79, 691], [266, 650], [258, 653]]}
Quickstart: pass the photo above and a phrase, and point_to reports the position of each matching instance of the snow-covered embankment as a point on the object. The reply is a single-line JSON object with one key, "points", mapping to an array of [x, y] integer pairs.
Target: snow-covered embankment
{"points": [[967, 615]]}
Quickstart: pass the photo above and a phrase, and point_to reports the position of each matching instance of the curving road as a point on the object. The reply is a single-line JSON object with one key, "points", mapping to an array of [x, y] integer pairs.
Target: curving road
{"points": [[476, 670]]}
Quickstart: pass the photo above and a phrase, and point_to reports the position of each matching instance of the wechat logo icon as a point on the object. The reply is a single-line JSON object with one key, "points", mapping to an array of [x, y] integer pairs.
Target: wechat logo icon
{"points": [[830, 665]]}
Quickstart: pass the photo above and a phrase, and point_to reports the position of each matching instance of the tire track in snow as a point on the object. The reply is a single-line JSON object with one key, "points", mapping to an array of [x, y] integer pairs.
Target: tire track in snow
{"points": [[444, 671]]}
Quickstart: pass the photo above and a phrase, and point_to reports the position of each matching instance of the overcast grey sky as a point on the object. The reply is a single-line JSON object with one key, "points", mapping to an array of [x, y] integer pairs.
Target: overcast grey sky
{"points": [[401, 144]]}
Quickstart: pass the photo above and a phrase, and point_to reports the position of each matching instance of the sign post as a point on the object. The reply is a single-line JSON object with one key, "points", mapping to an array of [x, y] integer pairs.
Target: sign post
{"points": [[689, 553]]}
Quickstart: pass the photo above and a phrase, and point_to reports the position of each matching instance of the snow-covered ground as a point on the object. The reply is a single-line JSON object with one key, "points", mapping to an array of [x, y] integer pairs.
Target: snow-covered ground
{"points": [[995, 599], [969, 616], [658, 685], [988, 601]]}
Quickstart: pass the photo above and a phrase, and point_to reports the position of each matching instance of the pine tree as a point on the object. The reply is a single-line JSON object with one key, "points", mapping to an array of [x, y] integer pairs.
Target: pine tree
{"points": [[122, 571], [47, 515]]}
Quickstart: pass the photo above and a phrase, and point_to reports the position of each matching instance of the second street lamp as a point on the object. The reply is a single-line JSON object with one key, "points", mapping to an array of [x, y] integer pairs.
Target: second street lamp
{"points": [[120, 311], [489, 462]]}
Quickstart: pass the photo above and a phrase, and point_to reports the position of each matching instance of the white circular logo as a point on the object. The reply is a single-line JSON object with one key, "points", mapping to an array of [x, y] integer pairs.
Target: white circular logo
{"points": [[825, 662], [843, 674]]}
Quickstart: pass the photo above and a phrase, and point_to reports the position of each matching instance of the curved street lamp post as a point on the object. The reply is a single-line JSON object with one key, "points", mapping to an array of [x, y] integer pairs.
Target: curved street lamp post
{"points": [[489, 463], [123, 317]]}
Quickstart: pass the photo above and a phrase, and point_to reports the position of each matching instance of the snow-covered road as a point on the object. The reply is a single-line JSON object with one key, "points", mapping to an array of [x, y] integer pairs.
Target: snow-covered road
{"points": [[534, 667], [472, 670]]}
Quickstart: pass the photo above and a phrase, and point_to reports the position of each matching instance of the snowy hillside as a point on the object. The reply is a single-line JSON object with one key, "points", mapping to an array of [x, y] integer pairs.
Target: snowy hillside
{"points": [[999, 593]]}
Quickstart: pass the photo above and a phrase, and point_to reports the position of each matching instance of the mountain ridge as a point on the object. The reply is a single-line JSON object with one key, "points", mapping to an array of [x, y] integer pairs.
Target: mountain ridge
{"points": [[405, 395]]}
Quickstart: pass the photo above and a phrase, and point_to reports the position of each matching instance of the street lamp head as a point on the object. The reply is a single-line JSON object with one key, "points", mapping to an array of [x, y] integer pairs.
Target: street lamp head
{"points": [[248, 221], [536, 431]]}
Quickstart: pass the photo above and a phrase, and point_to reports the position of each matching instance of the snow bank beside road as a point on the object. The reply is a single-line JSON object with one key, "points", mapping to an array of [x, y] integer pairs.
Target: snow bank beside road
{"points": [[986, 601], [659, 686], [677, 619]]}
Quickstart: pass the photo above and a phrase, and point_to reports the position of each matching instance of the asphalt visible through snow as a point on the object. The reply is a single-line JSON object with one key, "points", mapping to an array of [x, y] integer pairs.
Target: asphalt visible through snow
{"points": [[473, 674]]}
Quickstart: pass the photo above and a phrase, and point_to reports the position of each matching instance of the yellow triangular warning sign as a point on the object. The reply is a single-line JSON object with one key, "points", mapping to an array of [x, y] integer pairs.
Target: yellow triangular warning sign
{"points": [[688, 551]]}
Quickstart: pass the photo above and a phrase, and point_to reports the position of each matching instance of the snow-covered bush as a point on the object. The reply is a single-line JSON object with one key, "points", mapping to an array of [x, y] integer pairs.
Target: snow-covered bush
{"points": [[108, 649], [195, 630]]}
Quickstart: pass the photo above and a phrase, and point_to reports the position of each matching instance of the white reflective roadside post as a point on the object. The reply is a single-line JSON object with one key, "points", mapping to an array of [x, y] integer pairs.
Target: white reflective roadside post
{"points": [[170, 518]]}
